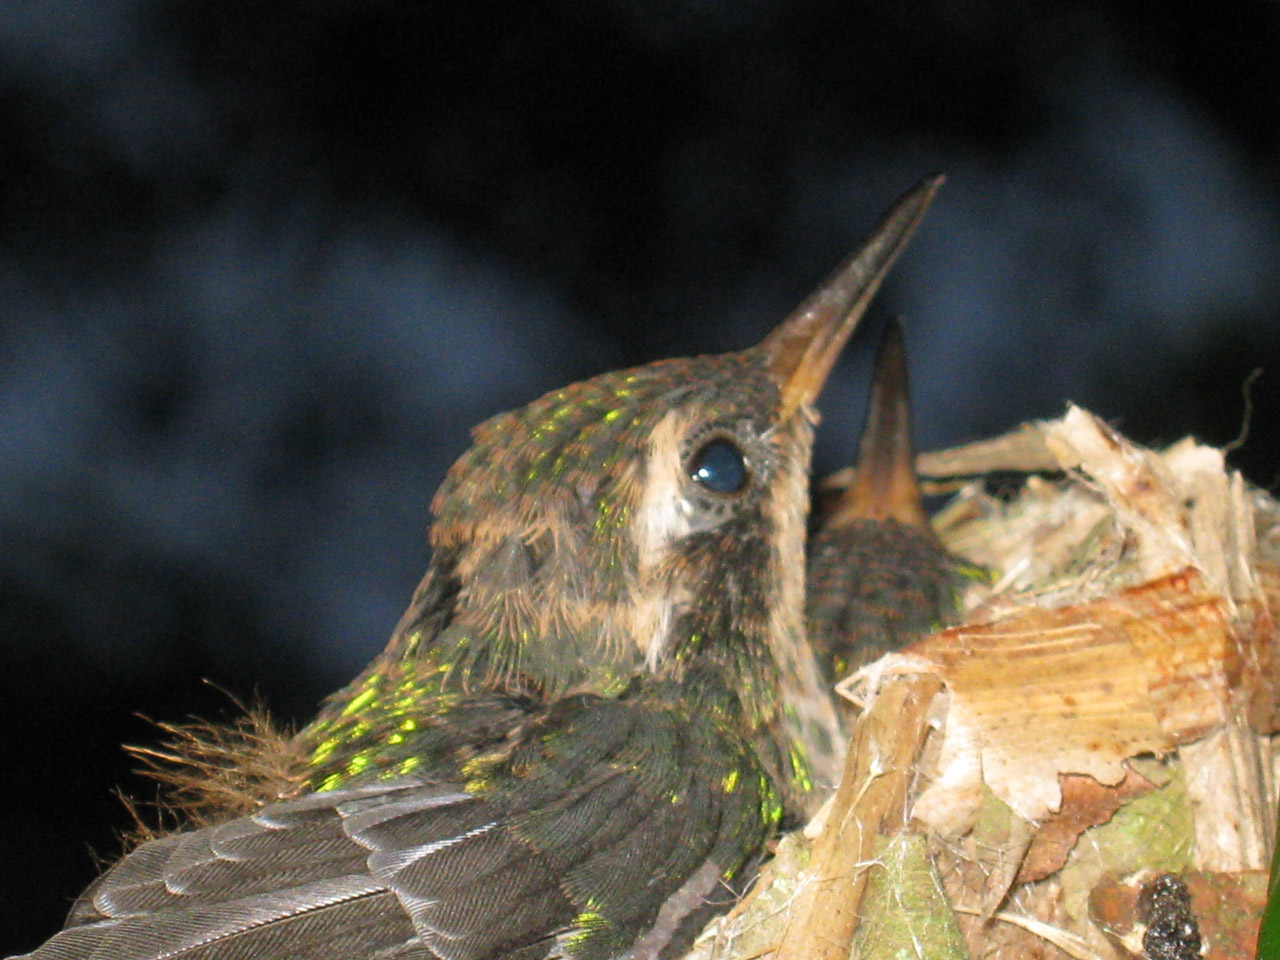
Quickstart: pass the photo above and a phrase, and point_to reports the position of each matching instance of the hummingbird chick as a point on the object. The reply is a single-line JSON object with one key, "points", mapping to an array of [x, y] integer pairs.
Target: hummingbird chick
{"points": [[878, 577], [590, 719]]}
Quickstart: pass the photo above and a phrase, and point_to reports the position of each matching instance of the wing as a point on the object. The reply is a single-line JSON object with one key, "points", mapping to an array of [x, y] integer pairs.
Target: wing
{"points": [[608, 826]]}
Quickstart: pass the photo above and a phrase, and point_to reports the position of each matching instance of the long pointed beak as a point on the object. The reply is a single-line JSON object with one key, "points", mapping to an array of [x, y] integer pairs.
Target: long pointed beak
{"points": [[804, 347], [885, 486]]}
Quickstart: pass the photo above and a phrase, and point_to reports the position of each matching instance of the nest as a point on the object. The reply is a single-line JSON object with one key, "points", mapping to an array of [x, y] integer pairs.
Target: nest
{"points": [[1086, 767]]}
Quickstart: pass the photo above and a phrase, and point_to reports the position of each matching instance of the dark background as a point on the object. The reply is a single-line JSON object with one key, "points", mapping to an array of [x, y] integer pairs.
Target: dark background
{"points": [[263, 264]]}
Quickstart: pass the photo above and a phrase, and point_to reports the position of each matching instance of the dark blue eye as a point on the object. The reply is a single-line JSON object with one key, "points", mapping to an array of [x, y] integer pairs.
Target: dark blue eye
{"points": [[719, 466]]}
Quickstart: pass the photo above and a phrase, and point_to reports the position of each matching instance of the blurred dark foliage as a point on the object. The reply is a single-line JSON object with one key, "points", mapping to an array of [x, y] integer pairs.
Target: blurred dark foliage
{"points": [[264, 264]]}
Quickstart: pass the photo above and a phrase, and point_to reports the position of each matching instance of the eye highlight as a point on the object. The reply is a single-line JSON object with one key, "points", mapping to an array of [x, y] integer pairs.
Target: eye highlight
{"points": [[720, 467]]}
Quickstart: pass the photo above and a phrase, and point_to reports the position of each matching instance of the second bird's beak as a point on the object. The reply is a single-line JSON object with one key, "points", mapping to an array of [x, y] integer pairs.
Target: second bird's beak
{"points": [[804, 347]]}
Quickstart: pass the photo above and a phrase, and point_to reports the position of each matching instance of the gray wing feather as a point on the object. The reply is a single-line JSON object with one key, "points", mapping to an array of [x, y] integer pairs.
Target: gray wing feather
{"points": [[581, 845], [316, 921], [289, 876]]}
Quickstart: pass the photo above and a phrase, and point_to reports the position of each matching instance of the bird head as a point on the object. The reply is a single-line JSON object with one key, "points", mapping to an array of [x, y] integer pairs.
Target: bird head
{"points": [[647, 522]]}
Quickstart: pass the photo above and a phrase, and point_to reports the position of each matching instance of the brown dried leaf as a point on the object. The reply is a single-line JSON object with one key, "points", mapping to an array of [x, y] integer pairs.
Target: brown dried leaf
{"points": [[1076, 690], [1085, 803]]}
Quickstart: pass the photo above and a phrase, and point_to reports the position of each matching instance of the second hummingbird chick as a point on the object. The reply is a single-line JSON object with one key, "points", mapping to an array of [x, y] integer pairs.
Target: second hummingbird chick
{"points": [[878, 577]]}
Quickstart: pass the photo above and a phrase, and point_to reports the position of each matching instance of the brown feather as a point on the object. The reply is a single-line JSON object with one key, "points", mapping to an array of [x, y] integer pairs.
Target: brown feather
{"points": [[212, 772]]}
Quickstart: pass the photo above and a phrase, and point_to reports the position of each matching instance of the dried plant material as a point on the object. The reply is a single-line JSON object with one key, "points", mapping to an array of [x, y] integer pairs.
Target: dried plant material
{"points": [[755, 926], [1073, 690], [1137, 484], [1048, 545], [1113, 908], [1150, 833], [1227, 783], [1021, 450], [1184, 507], [1042, 940], [984, 861], [1163, 511], [1264, 709], [1228, 908], [996, 845], [1030, 926], [1027, 920], [871, 799], [906, 909], [1085, 803]]}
